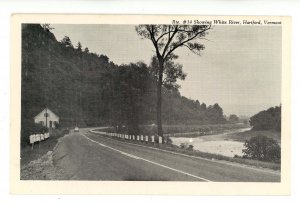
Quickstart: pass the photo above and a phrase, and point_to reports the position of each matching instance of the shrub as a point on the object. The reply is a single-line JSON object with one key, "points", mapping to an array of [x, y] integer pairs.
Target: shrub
{"points": [[57, 125], [190, 147], [183, 145], [28, 127], [186, 146], [262, 148], [57, 133], [168, 140]]}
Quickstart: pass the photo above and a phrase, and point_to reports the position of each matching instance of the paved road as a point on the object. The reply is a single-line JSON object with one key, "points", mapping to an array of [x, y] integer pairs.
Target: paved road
{"points": [[87, 156]]}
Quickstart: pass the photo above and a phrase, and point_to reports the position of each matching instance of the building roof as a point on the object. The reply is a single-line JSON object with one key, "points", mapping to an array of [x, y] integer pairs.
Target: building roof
{"points": [[48, 110]]}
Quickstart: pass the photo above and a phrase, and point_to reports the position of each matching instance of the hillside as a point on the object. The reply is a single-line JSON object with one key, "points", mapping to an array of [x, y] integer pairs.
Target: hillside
{"points": [[88, 89]]}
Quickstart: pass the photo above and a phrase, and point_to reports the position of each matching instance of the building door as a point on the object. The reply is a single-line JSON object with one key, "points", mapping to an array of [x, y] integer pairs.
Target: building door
{"points": [[50, 123]]}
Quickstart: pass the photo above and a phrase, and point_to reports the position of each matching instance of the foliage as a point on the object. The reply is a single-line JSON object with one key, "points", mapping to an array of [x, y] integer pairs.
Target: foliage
{"points": [[262, 148], [186, 146], [66, 41], [88, 89], [29, 128], [168, 140], [233, 118], [79, 47], [166, 39], [267, 120], [172, 72], [131, 81]]}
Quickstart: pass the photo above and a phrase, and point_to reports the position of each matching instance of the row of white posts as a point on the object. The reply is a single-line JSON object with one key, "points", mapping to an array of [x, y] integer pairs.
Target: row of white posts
{"points": [[38, 138], [130, 137]]}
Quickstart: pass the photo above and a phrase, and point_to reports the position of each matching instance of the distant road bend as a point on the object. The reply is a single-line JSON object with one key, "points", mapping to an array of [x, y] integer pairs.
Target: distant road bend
{"points": [[87, 156]]}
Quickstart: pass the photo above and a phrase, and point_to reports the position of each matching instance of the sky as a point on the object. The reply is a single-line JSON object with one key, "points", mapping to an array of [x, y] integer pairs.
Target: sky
{"points": [[240, 67]]}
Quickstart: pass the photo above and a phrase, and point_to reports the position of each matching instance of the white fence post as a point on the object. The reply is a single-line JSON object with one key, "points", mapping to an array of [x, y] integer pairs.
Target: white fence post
{"points": [[146, 138], [152, 138]]}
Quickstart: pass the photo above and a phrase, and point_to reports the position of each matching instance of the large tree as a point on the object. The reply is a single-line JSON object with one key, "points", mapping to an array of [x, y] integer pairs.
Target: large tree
{"points": [[166, 39], [172, 72], [267, 120]]}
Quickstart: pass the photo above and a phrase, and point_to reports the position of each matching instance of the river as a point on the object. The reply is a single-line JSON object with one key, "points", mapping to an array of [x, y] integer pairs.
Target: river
{"points": [[216, 144]]}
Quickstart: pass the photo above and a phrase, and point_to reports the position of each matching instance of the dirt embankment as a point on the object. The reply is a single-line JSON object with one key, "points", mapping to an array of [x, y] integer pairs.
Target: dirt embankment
{"points": [[43, 168]]}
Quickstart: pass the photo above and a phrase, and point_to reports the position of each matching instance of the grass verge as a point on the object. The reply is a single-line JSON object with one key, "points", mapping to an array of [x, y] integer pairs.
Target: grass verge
{"points": [[40, 149]]}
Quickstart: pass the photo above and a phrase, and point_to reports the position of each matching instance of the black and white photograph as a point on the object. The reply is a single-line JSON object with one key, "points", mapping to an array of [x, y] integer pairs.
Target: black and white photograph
{"points": [[188, 99]]}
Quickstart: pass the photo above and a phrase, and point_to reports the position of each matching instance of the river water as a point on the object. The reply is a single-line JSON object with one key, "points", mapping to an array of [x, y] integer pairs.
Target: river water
{"points": [[216, 144]]}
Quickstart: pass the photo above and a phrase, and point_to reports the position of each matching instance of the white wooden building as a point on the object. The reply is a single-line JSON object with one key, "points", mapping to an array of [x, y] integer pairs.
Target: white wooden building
{"points": [[47, 118]]}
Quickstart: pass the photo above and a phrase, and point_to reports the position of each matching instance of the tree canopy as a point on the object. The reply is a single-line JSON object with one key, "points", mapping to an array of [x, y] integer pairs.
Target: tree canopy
{"points": [[267, 120], [166, 39], [88, 89]]}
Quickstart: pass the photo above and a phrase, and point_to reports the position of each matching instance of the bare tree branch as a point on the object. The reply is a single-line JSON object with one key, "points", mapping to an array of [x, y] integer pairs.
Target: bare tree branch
{"points": [[182, 43], [169, 41], [153, 40]]}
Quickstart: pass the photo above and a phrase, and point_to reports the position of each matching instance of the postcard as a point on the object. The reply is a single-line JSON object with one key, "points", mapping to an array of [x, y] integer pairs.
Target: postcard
{"points": [[150, 104]]}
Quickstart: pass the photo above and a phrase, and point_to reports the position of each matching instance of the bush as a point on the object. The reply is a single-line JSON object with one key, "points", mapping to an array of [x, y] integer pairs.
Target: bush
{"points": [[168, 140], [28, 127], [262, 148], [190, 147], [57, 133], [186, 146]]}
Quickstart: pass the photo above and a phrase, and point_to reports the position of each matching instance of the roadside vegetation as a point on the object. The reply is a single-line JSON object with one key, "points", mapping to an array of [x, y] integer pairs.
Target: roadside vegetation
{"points": [[262, 148], [262, 142], [188, 149], [40, 148]]}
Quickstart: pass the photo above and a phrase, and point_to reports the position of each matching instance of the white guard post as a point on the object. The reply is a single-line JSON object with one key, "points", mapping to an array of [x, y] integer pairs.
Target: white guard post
{"points": [[160, 140], [38, 138], [31, 140], [152, 138]]}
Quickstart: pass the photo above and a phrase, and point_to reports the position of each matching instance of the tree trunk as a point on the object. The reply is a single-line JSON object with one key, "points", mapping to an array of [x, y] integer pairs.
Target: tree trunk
{"points": [[159, 99]]}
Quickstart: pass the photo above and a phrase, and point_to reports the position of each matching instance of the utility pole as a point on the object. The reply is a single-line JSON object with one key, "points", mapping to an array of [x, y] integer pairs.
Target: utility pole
{"points": [[46, 115]]}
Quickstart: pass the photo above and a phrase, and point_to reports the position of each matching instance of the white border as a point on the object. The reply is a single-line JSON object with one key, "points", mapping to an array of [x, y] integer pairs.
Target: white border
{"points": [[211, 7], [156, 188]]}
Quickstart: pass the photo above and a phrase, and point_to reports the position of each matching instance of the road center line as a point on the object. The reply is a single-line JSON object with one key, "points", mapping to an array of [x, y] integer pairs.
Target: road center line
{"points": [[146, 160]]}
